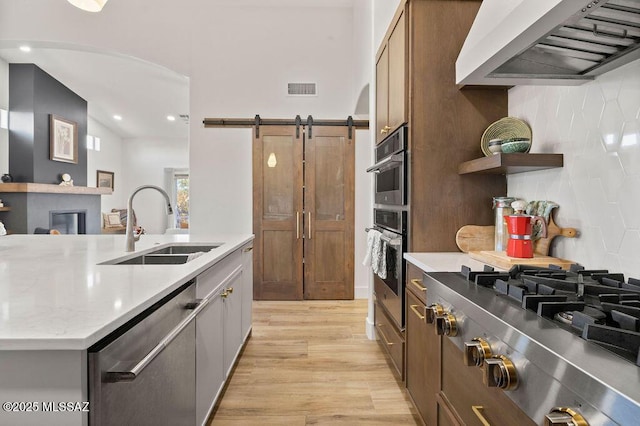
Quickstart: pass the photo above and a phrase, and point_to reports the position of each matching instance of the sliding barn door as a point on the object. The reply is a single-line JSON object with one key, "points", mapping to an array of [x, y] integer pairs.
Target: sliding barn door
{"points": [[277, 213], [329, 213], [303, 213]]}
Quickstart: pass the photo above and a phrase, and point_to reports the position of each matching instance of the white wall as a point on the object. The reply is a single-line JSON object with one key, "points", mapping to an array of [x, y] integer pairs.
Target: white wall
{"points": [[109, 158], [4, 104], [143, 163], [597, 128]]}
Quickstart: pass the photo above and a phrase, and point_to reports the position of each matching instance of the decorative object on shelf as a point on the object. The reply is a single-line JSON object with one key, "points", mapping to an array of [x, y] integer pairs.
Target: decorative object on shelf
{"points": [[112, 220], [512, 145], [495, 146], [6, 178], [66, 180], [104, 179], [1, 203], [89, 5], [63, 139], [3, 230], [505, 128]]}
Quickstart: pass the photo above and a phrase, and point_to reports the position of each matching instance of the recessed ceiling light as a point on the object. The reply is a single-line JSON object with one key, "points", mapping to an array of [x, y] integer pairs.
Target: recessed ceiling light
{"points": [[25, 48], [171, 118], [117, 117]]}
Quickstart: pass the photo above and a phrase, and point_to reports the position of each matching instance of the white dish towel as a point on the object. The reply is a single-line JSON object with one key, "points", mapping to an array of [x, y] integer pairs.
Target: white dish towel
{"points": [[376, 253]]}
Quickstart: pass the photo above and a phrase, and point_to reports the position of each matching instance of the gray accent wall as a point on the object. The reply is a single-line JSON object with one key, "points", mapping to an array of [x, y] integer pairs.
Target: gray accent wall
{"points": [[33, 96]]}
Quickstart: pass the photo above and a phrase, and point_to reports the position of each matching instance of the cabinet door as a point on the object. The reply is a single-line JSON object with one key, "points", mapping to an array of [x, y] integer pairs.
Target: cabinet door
{"points": [[422, 361], [382, 92], [470, 398], [210, 375], [232, 320], [397, 85], [329, 214], [247, 289]]}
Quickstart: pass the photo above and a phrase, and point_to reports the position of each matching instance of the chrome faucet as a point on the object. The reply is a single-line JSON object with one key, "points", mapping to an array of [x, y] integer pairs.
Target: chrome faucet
{"points": [[130, 237]]}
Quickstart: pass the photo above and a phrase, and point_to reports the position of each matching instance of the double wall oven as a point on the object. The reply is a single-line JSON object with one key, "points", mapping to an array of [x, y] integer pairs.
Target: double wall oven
{"points": [[390, 218]]}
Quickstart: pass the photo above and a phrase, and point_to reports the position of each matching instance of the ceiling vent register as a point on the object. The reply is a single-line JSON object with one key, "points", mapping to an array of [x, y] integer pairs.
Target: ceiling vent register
{"points": [[302, 89]]}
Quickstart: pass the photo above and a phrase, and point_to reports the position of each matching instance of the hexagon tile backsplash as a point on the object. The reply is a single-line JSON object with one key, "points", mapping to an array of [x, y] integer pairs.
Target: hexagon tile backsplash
{"points": [[597, 128]]}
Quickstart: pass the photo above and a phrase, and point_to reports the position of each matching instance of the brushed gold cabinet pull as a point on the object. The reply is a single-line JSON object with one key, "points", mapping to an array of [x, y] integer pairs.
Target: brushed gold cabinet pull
{"points": [[297, 225], [247, 250], [309, 225], [477, 410], [418, 283], [415, 311], [224, 294], [230, 290], [386, 341], [384, 130]]}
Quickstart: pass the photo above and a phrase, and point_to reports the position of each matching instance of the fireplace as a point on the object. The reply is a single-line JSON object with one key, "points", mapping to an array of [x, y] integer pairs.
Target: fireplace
{"points": [[69, 209], [68, 221]]}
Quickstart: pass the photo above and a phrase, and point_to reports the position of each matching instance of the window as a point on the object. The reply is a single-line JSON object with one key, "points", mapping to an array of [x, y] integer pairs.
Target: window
{"points": [[181, 191]]}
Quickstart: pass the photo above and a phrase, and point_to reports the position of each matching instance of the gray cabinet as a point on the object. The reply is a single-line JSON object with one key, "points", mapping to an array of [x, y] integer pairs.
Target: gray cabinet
{"points": [[219, 335], [247, 289]]}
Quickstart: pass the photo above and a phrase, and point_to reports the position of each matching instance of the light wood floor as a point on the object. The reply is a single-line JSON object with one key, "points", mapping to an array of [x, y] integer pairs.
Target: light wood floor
{"points": [[310, 363]]}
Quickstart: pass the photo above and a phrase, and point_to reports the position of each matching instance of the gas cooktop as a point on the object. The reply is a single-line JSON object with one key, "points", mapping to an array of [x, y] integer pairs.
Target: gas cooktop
{"points": [[598, 305], [572, 337]]}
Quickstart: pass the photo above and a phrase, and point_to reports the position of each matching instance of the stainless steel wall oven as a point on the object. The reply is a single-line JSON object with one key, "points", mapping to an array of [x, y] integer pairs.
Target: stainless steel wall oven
{"points": [[390, 170]]}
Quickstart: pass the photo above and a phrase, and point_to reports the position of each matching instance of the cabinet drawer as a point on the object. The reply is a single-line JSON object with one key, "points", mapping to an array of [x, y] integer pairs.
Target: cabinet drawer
{"points": [[414, 282], [390, 338], [212, 277], [422, 368], [470, 398]]}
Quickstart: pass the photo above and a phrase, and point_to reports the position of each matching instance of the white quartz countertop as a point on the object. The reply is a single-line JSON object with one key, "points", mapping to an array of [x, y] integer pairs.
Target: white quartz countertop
{"points": [[55, 295], [443, 262]]}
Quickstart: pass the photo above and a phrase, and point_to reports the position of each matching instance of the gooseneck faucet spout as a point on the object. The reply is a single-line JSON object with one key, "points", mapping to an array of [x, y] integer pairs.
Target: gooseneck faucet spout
{"points": [[130, 237]]}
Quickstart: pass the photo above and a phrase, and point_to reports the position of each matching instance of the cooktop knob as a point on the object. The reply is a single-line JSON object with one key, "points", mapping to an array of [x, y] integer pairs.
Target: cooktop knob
{"points": [[564, 416], [446, 324], [476, 351], [500, 372], [433, 311]]}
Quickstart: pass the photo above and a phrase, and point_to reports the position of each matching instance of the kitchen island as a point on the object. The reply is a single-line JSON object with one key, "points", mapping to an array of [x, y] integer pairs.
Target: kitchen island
{"points": [[57, 299]]}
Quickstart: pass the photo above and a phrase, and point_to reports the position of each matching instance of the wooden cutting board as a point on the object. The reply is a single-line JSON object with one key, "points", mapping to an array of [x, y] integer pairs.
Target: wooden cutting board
{"points": [[541, 245], [500, 259], [475, 238]]}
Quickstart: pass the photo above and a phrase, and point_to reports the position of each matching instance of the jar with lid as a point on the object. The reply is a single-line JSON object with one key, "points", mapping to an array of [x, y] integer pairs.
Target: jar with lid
{"points": [[502, 207]]}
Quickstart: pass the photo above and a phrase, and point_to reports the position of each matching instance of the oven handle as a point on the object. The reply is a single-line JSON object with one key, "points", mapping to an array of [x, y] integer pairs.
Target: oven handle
{"points": [[390, 241], [387, 163], [128, 376]]}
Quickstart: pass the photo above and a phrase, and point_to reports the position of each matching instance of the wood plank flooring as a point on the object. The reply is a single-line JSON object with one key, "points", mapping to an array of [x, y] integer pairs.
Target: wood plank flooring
{"points": [[310, 363]]}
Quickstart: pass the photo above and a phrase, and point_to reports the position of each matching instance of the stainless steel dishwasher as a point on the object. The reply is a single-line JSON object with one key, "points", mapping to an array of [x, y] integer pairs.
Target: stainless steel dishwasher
{"points": [[144, 373]]}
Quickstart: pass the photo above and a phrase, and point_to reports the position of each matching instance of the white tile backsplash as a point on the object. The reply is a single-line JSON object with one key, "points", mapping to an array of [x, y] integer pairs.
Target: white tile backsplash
{"points": [[597, 128]]}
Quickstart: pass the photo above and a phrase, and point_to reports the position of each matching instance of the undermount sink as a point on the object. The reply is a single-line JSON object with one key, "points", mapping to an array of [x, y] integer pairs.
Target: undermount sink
{"points": [[155, 259], [172, 254], [184, 249]]}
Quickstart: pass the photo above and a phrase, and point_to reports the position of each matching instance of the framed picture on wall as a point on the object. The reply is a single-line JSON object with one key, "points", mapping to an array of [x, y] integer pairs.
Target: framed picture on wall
{"points": [[63, 135], [104, 179]]}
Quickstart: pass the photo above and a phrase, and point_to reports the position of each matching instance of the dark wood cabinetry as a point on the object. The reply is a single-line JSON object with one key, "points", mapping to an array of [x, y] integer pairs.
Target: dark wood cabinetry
{"points": [[423, 352], [391, 79], [470, 399]]}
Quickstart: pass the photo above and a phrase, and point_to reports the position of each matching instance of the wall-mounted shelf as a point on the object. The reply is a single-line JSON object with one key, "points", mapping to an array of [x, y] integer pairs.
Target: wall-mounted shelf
{"points": [[511, 163], [5, 209]]}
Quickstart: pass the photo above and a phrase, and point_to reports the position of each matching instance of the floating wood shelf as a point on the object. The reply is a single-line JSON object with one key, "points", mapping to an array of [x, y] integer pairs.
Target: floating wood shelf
{"points": [[511, 163], [52, 189], [5, 209]]}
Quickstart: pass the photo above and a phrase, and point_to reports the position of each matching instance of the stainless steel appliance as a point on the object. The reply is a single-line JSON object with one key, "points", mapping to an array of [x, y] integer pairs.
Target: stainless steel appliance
{"points": [[390, 290], [563, 345], [391, 169], [144, 372]]}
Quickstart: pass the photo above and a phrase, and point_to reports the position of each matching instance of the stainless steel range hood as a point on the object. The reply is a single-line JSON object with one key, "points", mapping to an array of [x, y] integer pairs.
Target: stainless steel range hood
{"points": [[558, 42]]}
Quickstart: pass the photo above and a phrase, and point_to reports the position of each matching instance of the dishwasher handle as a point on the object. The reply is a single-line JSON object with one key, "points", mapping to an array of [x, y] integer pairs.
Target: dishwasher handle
{"points": [[128, 376]]}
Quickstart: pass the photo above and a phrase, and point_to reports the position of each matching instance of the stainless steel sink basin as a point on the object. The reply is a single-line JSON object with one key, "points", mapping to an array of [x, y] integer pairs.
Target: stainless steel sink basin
{"points": [[185, 249], [155, 259], [172, 254]]}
